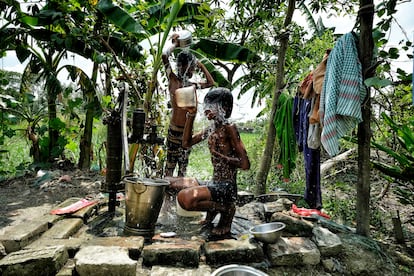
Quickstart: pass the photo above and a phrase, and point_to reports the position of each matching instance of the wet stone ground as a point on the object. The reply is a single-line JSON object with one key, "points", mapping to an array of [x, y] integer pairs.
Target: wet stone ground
{"points": [[168, 225]]}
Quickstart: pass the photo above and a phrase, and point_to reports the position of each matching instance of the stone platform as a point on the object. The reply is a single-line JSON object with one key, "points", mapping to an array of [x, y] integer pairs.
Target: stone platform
{"points": [[91, 242]]}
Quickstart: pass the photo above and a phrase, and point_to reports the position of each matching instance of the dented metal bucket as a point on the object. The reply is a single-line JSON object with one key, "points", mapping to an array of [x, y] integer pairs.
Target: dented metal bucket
{"points": [[143, 201]]}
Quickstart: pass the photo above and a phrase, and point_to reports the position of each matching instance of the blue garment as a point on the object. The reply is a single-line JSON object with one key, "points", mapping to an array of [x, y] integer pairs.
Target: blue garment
{"points": [[312, 157]]}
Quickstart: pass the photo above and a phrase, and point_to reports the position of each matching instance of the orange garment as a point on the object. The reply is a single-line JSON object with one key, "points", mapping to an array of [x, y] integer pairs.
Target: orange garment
{"points": [[319, 73], [318, 77], [306, 86], [314, 117]]}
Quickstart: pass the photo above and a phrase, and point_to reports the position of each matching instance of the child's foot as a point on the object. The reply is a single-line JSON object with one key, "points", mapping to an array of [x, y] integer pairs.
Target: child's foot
{"points": [[226, 218], [221, 231], [209, 218]]}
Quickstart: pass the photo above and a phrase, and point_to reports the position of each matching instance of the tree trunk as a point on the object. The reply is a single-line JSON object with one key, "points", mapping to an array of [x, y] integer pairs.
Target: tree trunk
{"points": [[86, 140], [53, 132], [366, 45], [35, 149], [85, 145], [271, 135]]}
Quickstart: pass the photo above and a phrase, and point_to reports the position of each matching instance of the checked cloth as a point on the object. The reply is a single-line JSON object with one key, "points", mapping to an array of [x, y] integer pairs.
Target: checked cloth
{"points": [[342, 94]]}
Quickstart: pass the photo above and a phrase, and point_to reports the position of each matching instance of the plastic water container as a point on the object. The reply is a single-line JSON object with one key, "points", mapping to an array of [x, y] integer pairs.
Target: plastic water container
{"points": [[185, 96], [184, 213], [185, 39]]}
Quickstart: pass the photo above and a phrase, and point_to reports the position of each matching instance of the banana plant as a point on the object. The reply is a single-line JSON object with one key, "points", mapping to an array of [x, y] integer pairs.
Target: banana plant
{"points": [[56, 28], [31, 113], [160, 23], [155, 22]]}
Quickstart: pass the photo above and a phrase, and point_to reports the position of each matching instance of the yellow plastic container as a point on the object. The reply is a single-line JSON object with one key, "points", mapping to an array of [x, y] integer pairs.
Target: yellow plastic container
{"points": [[185, 96]]}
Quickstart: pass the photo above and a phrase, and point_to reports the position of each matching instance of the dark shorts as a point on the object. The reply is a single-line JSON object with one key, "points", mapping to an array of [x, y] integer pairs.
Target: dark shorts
{"points": [[176, 154], [224, 192]]}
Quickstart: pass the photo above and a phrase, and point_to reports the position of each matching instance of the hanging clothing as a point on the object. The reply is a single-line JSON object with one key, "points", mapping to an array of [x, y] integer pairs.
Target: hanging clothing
{"points": [[319, 73], [285, 137], [317, 83], [301, 110], [342, 94]]}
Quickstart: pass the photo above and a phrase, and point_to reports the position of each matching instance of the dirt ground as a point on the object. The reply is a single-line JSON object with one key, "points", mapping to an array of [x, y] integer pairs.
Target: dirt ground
{"points": [[25, 197], [29, 196]]}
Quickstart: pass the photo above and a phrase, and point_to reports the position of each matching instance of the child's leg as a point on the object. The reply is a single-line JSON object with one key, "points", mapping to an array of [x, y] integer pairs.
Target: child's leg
{"points": [[226, 218]]}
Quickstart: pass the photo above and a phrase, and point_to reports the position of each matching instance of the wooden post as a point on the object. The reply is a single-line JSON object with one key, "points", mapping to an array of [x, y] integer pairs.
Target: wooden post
{"points": [[398, 232]]}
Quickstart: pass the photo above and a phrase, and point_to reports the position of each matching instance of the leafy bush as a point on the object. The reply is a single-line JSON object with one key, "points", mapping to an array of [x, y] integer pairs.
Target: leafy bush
{"points": [[403, 156], [14, 157]]}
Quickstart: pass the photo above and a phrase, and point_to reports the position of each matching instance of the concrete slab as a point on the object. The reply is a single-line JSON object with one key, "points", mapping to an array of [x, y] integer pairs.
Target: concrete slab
{"points": [[233, 251], [41, 261], [294, 251], [202, 270], [72, 245], [134, 244], [64, 228], [68, 269], [179, 254], [104, 261], [83, 213], [20, 235], [328, 243]]}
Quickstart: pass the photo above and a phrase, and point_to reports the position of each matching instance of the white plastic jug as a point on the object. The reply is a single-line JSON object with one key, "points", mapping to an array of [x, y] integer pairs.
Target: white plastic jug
{"points": [[184, 213]]}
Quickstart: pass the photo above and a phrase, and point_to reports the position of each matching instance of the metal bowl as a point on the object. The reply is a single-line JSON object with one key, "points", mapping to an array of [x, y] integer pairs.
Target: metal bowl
{"points": [[268, 232], [237, 270]]}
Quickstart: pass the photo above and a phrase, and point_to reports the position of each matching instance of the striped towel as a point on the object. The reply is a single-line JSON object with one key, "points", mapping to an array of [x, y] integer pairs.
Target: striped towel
{"points": [[342, 94]]}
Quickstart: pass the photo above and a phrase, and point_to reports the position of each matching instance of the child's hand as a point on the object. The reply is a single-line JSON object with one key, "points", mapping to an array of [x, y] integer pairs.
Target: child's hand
{"points": [[192, 109], [174, 39]]}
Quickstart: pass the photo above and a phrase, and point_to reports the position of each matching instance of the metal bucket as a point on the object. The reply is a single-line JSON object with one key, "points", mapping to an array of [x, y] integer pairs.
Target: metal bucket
{"points": [[185, 39], [237, 270], [143, 201]]}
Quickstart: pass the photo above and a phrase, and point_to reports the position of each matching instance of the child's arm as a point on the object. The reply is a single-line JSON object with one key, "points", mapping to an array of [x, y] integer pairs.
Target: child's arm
{"points": [[188, 138]]}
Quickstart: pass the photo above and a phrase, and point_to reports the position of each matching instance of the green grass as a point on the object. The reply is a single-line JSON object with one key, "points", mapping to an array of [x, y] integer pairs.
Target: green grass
{"points": [[14, 158], [199, 165]]}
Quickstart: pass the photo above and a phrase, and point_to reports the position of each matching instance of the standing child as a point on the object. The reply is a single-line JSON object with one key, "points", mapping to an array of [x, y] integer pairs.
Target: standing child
{"points": [[186, 65]]}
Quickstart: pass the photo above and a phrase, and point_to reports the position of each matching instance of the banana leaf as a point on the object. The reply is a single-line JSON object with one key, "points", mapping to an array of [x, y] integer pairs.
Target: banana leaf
{"points": [[158, 13], [405, 157], [405, 134], [401, 158], [219, 78], [225, 51], [120, 17]]}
